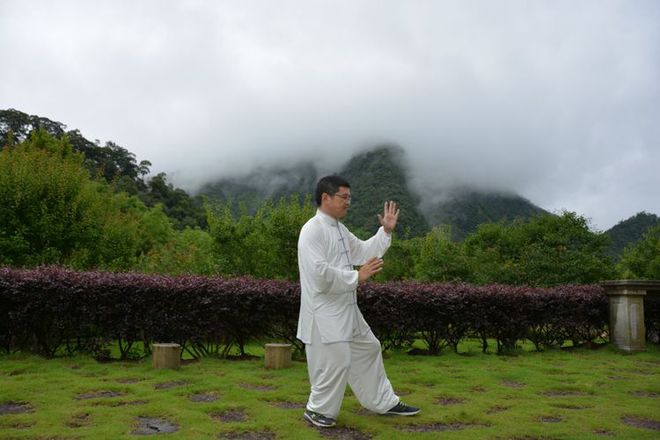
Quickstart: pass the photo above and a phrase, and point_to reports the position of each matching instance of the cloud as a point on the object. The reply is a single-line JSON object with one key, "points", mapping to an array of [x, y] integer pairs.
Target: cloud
{"points": [[557, 101]]}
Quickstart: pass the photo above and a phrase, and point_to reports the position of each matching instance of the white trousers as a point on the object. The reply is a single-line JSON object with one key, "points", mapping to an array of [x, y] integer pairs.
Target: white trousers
{"points": [[358, 363]]}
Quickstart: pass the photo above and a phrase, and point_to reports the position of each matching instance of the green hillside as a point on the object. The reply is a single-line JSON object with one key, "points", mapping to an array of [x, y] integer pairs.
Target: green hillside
{"points": [[630, 231], [466, 209]]}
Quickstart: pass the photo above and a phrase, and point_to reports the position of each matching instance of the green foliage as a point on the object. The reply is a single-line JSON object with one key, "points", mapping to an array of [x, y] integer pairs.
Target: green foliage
{"points": [[642, 260], [52, 212], [185, 211], [263, 245], [440, 259], [190, 251], [400, 260], [48, 204], [545, 251]]}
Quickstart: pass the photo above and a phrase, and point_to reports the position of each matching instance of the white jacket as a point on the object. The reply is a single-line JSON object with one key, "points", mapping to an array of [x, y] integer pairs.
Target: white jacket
{"points": [[327, 254]]}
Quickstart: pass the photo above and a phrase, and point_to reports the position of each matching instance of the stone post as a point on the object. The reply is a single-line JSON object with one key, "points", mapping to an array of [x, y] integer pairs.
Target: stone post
{"points": [[166, 356], [626, 303], [278, 355]]}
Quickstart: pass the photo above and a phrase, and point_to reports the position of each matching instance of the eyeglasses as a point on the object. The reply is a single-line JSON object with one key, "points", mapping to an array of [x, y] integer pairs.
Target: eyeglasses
{"points": [[346, 197]]}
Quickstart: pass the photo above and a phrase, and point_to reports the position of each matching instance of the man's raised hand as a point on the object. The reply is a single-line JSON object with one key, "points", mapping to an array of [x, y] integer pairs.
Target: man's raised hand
{"points": [[390, 217]]}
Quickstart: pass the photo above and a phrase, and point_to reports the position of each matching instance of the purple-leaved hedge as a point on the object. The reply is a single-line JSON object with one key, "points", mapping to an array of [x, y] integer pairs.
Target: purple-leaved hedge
{"points": [[53, 311]]}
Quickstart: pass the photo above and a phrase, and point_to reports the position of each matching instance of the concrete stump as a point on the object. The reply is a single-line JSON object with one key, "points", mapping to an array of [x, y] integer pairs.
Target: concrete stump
{"points": [[278, 355], [166, 356]]}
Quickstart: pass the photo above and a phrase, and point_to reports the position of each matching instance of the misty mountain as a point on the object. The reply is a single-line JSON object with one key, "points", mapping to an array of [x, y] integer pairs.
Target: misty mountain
{"points": [[630, 231], [378, 175]]}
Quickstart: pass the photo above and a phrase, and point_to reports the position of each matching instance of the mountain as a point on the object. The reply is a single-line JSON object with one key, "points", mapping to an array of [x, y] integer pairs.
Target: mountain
{"points": [[466, 209], [630, 231], [263, 183], [377, 175]]}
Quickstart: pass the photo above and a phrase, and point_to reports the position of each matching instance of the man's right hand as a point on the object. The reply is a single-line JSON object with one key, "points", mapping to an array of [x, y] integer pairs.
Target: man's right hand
{"points": [[371, 267]]}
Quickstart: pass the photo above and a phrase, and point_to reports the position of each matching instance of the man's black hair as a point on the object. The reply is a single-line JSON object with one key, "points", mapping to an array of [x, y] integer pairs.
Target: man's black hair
{"points": [[329, 185]]}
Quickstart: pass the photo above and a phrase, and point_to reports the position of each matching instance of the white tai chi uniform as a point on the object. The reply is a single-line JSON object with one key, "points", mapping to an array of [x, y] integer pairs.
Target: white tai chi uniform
{"points": [[339, 344]]}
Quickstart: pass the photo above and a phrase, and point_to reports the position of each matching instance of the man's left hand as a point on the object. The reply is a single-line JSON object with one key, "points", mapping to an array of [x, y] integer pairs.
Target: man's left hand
{"points": [[390, 217]]}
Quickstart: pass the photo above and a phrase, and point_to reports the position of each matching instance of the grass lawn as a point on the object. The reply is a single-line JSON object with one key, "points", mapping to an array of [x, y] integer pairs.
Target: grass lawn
{"points": [[567, 394]]}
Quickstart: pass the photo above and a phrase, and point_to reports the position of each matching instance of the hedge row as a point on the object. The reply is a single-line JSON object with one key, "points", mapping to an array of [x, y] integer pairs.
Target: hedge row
{"points": [[57, 311]]}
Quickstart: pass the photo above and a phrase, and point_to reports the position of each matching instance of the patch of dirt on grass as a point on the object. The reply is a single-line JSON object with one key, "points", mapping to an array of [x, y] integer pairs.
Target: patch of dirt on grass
{"points": [[15, 408], [444, 400], [99, 394], [478, 389], [645, 393], [128, 380], [170, 384], [343, 433], [210, 396], [250, 435], [513, 384], [285, 404], [603, 432], [232, 415], [152, 425], [255, 387], [79, 420], [527, 437], [568, 406], [565, 393], [549, 419], [639, 422], [120, 403], [497, 409], [19, 425], [433, 427]]}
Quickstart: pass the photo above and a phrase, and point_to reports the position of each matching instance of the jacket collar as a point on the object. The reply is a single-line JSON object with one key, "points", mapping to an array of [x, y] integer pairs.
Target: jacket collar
{"points": [[325, 218]]}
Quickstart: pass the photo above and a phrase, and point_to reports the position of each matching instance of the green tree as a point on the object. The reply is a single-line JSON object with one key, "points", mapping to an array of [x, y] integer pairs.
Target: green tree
{"points": [[400, 260], [263, 245], [190, 251], [544, 251], [642, 260], [493, 254], [441, 259], [48, 203], [52, 212]]}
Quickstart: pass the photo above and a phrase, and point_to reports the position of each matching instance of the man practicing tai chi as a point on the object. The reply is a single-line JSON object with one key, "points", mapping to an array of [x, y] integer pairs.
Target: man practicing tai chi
{"points": [[339, 344]]}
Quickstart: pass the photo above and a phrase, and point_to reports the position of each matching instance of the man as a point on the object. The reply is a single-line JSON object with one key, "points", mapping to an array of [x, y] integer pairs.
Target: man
{"points": [[339, 344]]}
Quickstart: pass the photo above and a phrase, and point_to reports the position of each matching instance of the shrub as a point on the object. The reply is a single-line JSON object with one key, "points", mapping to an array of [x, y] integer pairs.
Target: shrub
{"points": [[53, 311]]}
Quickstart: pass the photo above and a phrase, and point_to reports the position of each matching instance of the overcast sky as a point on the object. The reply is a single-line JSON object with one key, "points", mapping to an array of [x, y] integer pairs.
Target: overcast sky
{"points": [[558, 101]]}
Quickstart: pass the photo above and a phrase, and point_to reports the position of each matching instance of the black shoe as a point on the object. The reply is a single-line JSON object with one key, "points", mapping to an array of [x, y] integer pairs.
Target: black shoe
{"points": [[401, 409], [319, 419]]}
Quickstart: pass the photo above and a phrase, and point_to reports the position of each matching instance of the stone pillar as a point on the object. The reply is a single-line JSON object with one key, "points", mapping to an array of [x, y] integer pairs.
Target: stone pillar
{"points": [[278, 355], [166, 356], [626, 302]]}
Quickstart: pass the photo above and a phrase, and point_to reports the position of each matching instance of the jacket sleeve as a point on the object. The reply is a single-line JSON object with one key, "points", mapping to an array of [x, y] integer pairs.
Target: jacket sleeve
{"points": [[316, 269], [376, 246]]}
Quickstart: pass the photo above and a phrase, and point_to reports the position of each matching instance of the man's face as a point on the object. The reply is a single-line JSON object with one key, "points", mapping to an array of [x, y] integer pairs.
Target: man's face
{"points": [[337, 205]]}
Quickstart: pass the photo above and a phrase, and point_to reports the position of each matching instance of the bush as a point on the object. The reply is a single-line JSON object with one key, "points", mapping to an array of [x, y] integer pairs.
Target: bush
{"points": [[54, 311]]}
